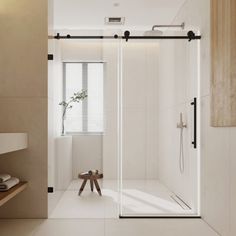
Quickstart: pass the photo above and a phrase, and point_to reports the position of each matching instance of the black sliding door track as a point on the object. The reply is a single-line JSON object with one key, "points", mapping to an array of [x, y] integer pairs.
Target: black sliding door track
{"points": [[190, 36], [160, 217]]}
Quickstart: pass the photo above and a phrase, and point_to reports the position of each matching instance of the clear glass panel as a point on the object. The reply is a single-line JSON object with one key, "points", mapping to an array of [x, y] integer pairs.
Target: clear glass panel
{"points": [[95, 97], [158, 165], [73, 77]]}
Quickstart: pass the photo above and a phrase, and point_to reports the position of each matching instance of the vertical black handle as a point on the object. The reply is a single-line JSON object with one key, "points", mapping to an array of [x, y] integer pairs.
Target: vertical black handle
{"points": [[194, 104]]}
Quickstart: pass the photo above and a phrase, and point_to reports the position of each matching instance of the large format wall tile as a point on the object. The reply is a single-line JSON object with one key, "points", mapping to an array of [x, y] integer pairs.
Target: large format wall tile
{"points": [[23, 58], [30, 116], [161, 227], [23, 101], [87, 153], [232, 136], [216, 175]]}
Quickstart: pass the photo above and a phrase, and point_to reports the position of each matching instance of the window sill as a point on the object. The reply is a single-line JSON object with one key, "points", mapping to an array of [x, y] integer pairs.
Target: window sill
{"points": [[84, 133]]}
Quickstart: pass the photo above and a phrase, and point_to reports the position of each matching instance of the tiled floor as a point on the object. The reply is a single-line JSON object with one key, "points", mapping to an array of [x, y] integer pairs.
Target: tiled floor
{"points": [[105, 227], [139, 198]]}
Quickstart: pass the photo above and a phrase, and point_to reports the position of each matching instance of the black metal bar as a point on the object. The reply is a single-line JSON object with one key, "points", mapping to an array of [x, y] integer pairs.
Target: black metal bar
{"points": [[130, 37], [58, 36], [160, 217], [190, 36], [162, 37], [194, 104], [85, 37]]}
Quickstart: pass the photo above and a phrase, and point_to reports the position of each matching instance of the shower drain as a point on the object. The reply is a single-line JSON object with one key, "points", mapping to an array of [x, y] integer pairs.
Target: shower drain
{"points": [[178, 200]]}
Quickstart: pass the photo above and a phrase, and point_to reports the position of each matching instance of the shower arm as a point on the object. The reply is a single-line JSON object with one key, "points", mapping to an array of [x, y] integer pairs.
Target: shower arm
{"points": [[169, 26]]}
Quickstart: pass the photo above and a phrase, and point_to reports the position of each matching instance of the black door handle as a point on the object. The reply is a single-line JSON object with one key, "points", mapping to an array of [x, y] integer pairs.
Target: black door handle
{"points": [[194, 104]]}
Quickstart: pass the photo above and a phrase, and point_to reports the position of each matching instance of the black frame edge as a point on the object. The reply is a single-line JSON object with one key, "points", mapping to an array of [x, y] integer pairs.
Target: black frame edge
{"points": [[160, 217], [194, 104]]}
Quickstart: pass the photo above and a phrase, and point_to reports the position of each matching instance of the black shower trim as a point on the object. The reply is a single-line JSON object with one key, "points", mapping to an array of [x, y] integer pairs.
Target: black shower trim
{"points": [[190, 36], [160, 217], [194, 104]]}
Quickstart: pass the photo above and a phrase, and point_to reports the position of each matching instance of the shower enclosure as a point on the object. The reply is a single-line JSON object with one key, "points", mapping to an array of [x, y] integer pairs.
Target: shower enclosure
{"points": [[158, 152], [150, 141]]}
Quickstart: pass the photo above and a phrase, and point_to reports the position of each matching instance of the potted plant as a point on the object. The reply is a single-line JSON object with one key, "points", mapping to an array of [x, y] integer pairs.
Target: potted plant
{"points": [[76, 98]]}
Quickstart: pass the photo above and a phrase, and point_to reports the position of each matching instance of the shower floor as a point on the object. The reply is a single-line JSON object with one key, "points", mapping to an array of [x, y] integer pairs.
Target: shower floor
{"points": [[141, 197]]}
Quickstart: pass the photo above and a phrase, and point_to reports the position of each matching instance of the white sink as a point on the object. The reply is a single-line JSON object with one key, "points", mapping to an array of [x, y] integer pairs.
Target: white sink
{"points": [[10, 142]]}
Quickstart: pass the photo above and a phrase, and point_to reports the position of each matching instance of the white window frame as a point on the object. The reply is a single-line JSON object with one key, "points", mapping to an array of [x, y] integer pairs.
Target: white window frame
{"points": [[84, 102]]}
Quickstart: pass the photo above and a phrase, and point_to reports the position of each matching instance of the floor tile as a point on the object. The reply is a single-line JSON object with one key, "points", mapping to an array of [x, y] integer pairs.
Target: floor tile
{"points": [[70, 227], [106, 227], [18, 227], [163, 227], [140, 197]]}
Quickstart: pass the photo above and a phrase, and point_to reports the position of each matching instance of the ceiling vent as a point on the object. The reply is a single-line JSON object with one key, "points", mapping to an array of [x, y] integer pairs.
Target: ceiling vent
{"points": [[114, 20]]}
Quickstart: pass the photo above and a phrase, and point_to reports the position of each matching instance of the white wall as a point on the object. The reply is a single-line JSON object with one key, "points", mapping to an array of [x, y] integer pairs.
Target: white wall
{"points": [[177, 86], [87, 150], [110, 149], [217, 144], [63, 163], [140, 72], [103, 155], [87, 153]]}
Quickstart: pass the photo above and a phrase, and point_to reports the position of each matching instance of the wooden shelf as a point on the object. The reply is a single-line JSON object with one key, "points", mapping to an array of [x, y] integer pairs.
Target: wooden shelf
{"points": [[6, 196], [10, 142]]}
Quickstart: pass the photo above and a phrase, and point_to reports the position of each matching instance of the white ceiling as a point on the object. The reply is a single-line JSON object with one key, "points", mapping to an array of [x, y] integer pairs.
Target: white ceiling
{"points": [[90, 14]]}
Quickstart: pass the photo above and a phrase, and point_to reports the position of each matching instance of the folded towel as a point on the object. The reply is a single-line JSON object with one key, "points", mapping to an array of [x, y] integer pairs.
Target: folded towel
{"points": [[4, 177], [9, 184]]}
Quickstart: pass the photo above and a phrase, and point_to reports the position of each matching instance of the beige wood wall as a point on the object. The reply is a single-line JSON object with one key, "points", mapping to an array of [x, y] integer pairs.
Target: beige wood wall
{"points": [[23, 101], [223, 50]]}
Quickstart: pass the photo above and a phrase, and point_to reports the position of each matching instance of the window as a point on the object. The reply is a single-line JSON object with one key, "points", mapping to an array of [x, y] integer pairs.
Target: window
{"points": [[86, 116]]}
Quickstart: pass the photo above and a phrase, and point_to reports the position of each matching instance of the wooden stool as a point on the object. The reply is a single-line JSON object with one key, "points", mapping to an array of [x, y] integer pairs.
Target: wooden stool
{"points": [[92, 176]]}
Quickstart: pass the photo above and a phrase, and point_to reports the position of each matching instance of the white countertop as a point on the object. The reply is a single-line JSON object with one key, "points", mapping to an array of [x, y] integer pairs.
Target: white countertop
{"points": [[10, 142]]}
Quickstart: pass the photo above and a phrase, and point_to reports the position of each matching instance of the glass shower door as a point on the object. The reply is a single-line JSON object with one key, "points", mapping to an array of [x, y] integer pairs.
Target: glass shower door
{"points": [[158, 81]]}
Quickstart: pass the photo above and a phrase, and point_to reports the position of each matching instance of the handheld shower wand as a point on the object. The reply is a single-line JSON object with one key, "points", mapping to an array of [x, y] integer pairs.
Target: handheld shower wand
{"points": [[181, 125]]}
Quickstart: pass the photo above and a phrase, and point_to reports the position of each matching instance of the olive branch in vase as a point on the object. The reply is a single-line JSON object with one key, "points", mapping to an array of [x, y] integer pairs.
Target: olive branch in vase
{"points": [[76, 98]]}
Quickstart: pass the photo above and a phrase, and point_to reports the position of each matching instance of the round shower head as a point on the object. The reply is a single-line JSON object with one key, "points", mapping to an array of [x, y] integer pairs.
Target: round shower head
{"points": [[153, 33]]}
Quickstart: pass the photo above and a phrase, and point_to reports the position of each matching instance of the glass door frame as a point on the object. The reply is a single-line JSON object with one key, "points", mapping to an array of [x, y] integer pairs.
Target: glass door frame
{"points": [[120, 135]]}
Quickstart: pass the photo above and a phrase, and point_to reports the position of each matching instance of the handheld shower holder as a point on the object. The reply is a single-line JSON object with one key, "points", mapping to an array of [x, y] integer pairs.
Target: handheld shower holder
{"points": [[181, 124]]}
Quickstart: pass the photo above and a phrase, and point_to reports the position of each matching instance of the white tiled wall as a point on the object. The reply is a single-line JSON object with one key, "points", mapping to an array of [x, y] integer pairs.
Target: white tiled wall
{"points": [[217, 144], [110, 57], [103, 155], [87, 153], [140, 71], [63, 162], [177, 86]]}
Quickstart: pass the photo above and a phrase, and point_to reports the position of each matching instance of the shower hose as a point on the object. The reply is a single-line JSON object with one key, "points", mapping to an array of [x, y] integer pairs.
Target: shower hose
{"points": [[181, 152]]}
